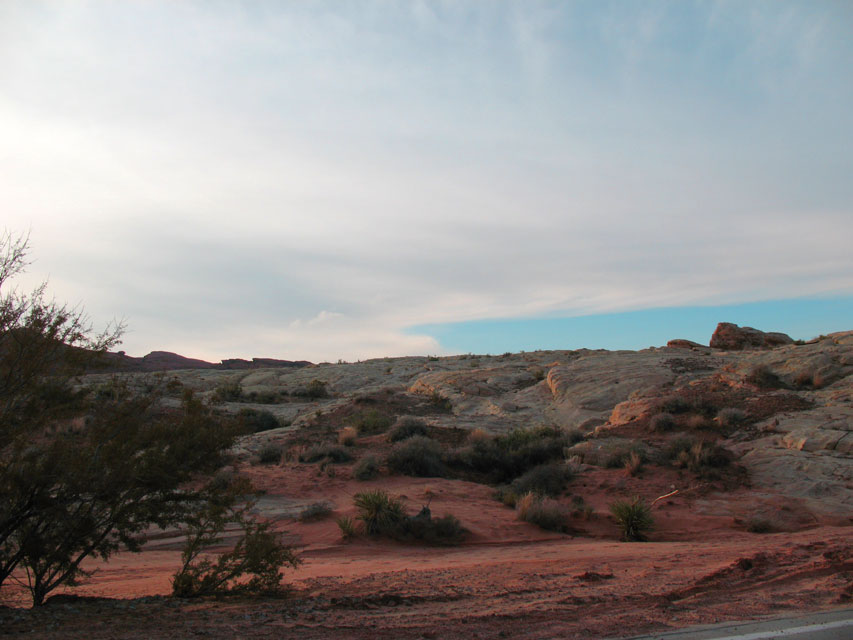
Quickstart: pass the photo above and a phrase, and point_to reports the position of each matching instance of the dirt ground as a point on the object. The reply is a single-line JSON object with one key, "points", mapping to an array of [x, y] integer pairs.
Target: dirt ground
{"points": [[508, 579]]}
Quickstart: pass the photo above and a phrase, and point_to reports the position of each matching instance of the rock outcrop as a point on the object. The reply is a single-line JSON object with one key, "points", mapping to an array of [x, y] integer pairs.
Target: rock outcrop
{"points": [[731, 337]]}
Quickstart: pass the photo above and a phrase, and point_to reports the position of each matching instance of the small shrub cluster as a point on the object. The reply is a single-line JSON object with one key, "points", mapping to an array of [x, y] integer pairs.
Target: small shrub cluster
{"points": [[229, 392], [545, 513], [270, 453], [313, 390], [347, 526], [406, 427], [366, 469], [325, 453], [258, 420], [697, 456], [757, 524], [505, 457], [383, 515], [315, 511], [370, 421], [544, 480], [347, 436], [634, 518], [417, 456], [764, 377], [730, 417], [662, 422]]}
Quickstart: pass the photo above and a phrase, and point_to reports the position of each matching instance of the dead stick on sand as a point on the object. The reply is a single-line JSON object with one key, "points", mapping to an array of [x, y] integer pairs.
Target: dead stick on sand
{"points": [[671, 493]]}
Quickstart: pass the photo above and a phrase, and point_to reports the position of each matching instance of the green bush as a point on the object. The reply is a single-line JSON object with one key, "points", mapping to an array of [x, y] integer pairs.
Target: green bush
{"points": [[347, 527], [544, 480], [327, 453], [634, 518], [366, 469], [380, 513], [543, 512], [417, 456], [370, 421], [406, 427]]}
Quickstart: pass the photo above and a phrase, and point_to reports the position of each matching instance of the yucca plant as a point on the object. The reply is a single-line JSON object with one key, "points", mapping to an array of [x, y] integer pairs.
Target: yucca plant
{"points": [[634, 518], [380, 513]]}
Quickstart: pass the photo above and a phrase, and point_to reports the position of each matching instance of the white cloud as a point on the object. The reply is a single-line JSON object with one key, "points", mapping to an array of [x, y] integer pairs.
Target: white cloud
{"points": [[307, 181]]}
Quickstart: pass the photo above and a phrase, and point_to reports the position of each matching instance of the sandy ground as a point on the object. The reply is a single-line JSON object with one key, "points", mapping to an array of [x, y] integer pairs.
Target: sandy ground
{"points": [[509, 579]]}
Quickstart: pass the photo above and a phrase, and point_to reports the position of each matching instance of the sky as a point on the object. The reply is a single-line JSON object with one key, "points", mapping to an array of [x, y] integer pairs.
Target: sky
{"points": [[348, 180]]}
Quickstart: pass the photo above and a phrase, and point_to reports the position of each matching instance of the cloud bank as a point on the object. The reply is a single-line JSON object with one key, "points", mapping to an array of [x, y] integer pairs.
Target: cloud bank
{"points": [[309, 180]]}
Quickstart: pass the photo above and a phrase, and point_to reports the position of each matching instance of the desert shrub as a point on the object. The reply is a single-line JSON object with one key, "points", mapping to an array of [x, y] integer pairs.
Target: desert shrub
{"points": [[315, 511], [764, 377], [270, 453], [674, 404], [263, 397], [347, 436], [662, 422], [440, 403], [506, 496], [730, 417], [543, 512], [406, 427], [698, 423], [804, 378], [347, 527], [229, 392], [544, 480], [366, 469], [633, 463], [417, 456], [325, 453], [478, 435], [507, 456], [634, 518], [370, 421], [380, 513], [257, 421], [620, 457], [757, 524], [446, 530], [313, 390], [697, 456]]}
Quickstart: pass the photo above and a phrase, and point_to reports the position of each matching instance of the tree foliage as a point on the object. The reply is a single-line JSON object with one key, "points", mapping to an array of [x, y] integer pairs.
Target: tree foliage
{"points": [[86, 472]]}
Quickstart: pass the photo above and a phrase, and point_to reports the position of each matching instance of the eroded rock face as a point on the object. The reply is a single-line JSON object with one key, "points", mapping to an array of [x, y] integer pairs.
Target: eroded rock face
{"points": [[731, 337]]}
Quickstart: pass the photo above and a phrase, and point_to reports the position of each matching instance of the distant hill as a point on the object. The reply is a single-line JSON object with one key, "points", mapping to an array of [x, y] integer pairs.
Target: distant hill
{"points": [[167, 361]]}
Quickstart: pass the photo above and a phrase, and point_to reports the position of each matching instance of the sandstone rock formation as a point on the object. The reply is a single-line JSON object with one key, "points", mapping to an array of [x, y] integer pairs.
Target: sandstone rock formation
{"points": [[731, 337]]}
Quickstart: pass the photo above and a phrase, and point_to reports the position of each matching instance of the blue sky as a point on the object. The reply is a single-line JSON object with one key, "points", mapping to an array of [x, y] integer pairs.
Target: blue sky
{"points": [[328, 180]]}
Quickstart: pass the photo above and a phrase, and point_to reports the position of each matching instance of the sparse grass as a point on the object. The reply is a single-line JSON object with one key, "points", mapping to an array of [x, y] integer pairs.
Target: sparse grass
{"points": [[699, 457], [315, 511], [662, 422], [366, 469], [417, 456], [406, 427], [371, 421], [633, 463], [543, 512], [325, 453], [270, 453], [347, 436], [634, 518], [347, 526]]}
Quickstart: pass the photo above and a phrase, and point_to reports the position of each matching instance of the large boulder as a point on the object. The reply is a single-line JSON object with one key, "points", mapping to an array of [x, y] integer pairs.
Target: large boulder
{"points": [[731, 337]]}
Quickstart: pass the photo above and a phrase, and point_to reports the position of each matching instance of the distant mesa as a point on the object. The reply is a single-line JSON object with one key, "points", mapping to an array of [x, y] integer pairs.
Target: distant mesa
{"points": [[731, 337], [168, 361]]}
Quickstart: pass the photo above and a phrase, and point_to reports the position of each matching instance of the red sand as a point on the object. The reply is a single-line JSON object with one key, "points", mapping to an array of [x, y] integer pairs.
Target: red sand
{"points": [[509, 579]]}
